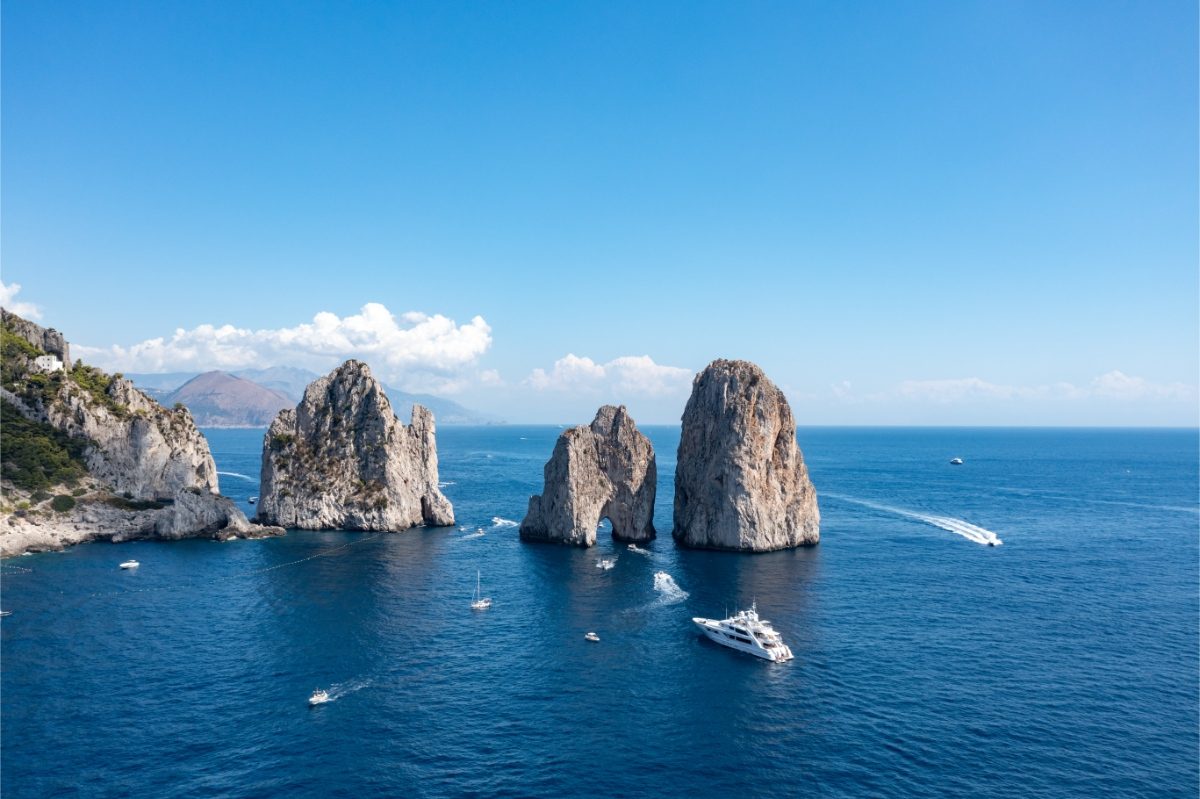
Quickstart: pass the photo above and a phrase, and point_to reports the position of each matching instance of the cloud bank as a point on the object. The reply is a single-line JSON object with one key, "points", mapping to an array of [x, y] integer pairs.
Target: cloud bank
{"points": [[1111, 385], [8, 294], [629, 374], [415, 350]]}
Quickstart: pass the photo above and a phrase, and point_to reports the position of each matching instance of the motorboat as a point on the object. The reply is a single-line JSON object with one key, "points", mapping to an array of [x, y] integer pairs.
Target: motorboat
{"points": [[592, 637], [746, 632], [319, 697], [5, 613], [252, 500], [606, 563], [478, 600], [130, 564], [956, 461]]}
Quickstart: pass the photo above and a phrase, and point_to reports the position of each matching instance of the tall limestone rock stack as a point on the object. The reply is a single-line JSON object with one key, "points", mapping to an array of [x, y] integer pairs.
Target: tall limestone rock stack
{"points": [[740, 481], [117, 464], [605, 469], [342, 460]]}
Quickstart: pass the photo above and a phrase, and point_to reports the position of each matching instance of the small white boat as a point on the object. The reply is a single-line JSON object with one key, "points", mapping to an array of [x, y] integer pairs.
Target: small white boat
{"points": [[606, 563], [478, 600], [4, 613], [591, 637], [746, 632], [252, 500], [130, 564], [318, 697], [956, 461]]}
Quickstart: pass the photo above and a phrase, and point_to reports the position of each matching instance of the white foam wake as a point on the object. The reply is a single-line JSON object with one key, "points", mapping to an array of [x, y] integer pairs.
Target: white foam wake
{"points": [[238, 475], [971, 532], [606, 563], [477, 534], [635, 548], [340, 689], [669, 590], [498, 522]]}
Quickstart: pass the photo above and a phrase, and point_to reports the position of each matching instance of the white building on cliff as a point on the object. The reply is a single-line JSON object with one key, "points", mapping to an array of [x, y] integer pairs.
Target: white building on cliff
{"points": [[47, 363]]}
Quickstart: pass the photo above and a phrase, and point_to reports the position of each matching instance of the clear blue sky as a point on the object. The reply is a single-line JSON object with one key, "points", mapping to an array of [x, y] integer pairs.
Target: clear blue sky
{"points": [[946, 212]]}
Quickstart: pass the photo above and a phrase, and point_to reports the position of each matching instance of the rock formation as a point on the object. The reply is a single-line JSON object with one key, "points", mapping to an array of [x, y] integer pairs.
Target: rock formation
{"points": [[87, 456], [342, 460], [740, 480], [138, 446], [605, 469], [48, 340]]}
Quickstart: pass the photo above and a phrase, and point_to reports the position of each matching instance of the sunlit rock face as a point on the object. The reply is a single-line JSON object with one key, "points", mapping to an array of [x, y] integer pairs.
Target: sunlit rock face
{"points": [[602, 470], [342, 460], [740, 479]]}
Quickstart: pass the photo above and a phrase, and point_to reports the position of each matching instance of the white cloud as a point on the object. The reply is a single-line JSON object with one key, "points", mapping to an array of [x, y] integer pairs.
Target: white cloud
{"points": [[629, 374], [416, 351], [1119, 385], [1112, 385], [8, 293]]}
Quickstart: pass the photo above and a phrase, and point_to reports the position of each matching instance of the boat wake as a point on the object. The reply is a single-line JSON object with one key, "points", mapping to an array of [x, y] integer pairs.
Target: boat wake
{"points": [[606, 563], [498, 522], [971, 532], [669, 590], [238, 475], [340, 689], [477, 534], [638, 550]]}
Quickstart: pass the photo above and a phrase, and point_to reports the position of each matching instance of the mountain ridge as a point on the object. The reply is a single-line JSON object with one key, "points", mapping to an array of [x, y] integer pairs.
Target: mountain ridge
{"points": [[288, 382]]}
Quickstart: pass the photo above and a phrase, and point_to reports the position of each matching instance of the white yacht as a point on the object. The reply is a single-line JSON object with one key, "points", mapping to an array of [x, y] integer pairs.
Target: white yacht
{"points": [[130, 564], [478, 601], [319, 697], [746, 632], [956, 461], [591, 637]]}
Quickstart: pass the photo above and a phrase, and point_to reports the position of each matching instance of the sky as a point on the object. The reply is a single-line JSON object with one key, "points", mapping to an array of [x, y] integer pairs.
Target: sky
{"points": [[907, 213]]}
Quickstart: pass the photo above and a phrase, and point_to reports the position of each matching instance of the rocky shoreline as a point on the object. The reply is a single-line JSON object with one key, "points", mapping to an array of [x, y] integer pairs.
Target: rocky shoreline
{"points": [[88, 457]]}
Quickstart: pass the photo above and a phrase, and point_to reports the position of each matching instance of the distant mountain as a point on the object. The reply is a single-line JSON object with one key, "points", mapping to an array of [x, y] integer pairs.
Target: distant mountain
{"points": [[219, 399], [444, 411], [221, 402], [162, 384], [289, 381]]}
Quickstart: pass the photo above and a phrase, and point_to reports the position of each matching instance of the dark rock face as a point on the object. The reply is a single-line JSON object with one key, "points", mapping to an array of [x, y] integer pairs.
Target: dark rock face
{"points": [[605, 469], [740, 482], [342, 460]]}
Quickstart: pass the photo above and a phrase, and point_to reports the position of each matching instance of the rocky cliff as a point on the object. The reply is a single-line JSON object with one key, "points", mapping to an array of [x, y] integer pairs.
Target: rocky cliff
{"points": [[86, 455], [48, 340], [605, 469], [740, 481], [342, 460]]}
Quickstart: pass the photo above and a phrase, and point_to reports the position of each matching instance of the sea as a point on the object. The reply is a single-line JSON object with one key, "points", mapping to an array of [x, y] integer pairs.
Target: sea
{"points": [[1062, 662]]}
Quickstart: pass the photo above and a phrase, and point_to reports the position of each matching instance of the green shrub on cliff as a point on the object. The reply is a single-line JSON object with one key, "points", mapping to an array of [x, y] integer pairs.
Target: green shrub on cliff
{"points": [[62, 503], [16, 354], [36, 456], [96, 383]]}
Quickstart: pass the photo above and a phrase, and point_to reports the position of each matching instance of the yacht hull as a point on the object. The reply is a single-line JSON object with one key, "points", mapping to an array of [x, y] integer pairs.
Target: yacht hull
{"points": [[713, 630]]}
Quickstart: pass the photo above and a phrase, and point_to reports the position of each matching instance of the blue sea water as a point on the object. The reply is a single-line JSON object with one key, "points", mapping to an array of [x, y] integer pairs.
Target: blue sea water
{"points": [[1063, 663]]}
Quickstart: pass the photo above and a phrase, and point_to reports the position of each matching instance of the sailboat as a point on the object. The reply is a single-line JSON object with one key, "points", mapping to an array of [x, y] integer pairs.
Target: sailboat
{"points": [[479, 601]]}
